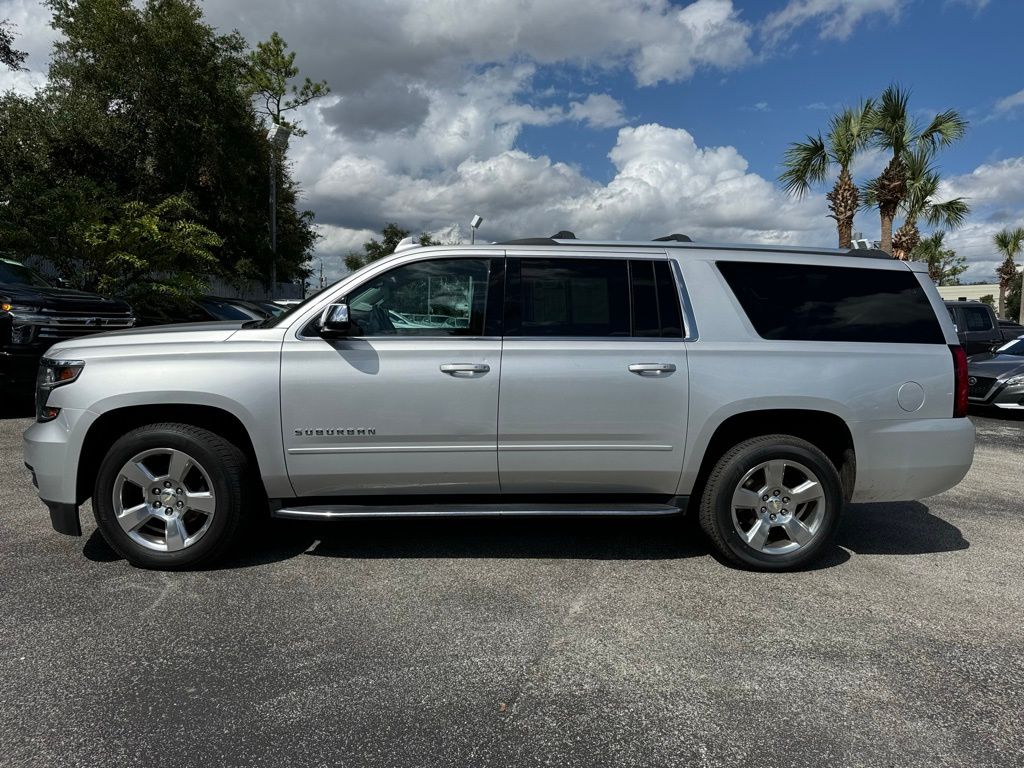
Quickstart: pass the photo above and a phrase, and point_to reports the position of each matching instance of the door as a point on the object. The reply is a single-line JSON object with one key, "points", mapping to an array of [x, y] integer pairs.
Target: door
{"points": [[408, 402], [594, 378]]}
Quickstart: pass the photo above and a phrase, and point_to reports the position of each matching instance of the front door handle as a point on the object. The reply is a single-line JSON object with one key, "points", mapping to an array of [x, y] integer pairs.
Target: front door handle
{"points": [[464, 369], [652, 369]]}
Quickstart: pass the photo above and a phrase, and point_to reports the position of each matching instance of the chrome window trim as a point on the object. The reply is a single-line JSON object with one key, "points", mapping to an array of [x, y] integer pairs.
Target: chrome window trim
{"points": [[689, 319]]}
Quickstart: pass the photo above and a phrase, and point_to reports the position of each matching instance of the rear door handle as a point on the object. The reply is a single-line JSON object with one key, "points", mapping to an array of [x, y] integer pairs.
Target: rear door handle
{"points": [[651, 369], [464, 369]]}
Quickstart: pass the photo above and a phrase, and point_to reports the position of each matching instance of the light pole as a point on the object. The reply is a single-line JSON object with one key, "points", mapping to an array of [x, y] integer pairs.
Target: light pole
{"points": [[474, 224], [278, 136]]}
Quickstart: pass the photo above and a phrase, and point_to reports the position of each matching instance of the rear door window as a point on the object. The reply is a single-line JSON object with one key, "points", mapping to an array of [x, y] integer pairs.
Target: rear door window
{"points": [[592, 298], [806, 302], [567, 297]]}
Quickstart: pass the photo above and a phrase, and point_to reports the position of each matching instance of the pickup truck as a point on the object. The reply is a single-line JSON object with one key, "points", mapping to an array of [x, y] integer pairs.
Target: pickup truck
{"points": [[35, 315], [978, 328]]}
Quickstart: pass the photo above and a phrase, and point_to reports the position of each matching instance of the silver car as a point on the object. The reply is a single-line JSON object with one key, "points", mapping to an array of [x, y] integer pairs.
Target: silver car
{"points": [[759, 387]]}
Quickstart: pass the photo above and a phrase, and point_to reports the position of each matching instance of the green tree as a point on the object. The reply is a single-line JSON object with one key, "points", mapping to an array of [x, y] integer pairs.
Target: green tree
{"points": [[269, 74], [944, 265], [1009, 243], [374, 249], [989, 299], [144, 102], [808, 163], [893, 130], [922, 186], [151, 252], [1014, 307], [10, 56]]}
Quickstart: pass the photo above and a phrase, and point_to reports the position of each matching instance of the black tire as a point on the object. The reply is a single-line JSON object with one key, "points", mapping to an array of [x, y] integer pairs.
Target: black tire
{"points": [[229, 475], [716, 508]]}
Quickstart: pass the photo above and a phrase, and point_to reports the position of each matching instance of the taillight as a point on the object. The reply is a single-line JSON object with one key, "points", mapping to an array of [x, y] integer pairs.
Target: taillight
{"points": [[960, 389]]}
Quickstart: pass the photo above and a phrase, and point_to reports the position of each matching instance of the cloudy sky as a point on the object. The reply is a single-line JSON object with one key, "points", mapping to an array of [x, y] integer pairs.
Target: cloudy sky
{"points": [[619, 118]]}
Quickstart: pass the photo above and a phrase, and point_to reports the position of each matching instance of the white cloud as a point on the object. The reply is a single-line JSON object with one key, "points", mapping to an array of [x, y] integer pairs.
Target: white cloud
{"points": [[664, 182], [598, 110], [998, 184], [1010, 103], [836, 19], [995, 192], [32, 34]]}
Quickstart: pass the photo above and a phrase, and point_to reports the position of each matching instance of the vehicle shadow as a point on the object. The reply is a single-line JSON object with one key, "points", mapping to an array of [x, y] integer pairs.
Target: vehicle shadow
{"points": [[904, 528], [1004, 414], [897, 528], [17, 406]]}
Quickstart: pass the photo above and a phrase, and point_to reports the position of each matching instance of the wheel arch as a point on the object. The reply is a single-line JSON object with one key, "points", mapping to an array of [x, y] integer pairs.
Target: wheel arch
{"points": [[824, 429], [112, 424]]}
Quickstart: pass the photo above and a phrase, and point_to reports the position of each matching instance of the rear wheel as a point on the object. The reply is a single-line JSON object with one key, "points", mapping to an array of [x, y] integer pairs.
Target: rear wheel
{"points": [[772, 503], [171, 496]]}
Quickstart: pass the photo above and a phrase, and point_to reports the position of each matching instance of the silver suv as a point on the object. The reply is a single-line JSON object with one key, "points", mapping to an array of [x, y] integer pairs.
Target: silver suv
{"points": [[761, 386]]}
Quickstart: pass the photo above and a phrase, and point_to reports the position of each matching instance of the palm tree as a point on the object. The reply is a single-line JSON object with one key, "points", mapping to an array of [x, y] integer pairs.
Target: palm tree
{"points": [[893, 129], [808, 163], [944, 266], [1008, 242], [922, 186]]}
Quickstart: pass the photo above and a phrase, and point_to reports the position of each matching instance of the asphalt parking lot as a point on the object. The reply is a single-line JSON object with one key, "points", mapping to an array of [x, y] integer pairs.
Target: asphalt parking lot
{"points": [[539, 642]]}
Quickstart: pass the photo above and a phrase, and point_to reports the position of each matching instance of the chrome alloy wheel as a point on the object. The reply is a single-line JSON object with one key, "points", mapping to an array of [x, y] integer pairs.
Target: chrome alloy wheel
{"points": [[778, 507], [164, 500]]}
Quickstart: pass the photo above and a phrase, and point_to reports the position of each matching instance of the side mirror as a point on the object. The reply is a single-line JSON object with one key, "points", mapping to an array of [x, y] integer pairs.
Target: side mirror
{"points": [[335, 320], [995, 348]]}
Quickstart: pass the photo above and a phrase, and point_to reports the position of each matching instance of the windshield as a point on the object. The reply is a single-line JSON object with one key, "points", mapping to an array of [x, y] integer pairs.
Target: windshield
{"points": [[1015, 347], [224, 310], [19, 274]]}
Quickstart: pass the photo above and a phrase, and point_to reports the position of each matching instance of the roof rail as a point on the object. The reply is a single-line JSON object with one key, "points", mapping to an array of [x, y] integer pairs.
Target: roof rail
{"points": [[530, 241], [566, 238]]}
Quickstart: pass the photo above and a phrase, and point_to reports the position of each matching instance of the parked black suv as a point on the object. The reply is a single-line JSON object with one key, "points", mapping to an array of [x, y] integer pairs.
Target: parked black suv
{"points": [[35, 315]]}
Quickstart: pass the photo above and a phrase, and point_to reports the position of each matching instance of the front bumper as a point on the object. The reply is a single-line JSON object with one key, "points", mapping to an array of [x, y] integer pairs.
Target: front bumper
{"points": [[51, 452], [1002, 396], [910, 459]]}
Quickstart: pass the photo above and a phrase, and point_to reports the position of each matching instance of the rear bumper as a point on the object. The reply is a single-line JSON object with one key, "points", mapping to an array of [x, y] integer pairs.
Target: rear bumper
{"points": [[912, 459]]}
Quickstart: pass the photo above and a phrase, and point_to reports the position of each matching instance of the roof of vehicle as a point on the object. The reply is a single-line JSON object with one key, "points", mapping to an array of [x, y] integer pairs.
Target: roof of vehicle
{"points": [[971, 302], [676, 242]]}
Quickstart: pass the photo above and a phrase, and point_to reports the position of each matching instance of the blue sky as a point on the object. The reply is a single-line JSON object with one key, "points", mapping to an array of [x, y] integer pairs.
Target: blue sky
{"points": [[616, 118], [958, 55]]}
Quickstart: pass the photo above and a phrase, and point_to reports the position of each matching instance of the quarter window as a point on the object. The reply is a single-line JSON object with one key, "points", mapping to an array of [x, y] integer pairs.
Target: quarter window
{"points": [[443, 297], [805, 302]]}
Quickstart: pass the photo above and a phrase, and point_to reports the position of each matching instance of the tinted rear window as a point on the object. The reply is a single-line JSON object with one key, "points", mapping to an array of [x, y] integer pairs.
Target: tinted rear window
{"points": [[801, 302]]}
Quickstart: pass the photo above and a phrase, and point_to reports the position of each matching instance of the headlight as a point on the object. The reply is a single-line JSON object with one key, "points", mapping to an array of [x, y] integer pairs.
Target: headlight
{"points": [[52, 374], [17, 307], [1015, 380]]}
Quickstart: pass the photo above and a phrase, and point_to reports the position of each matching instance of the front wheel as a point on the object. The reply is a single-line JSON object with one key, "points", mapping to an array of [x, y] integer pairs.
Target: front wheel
{"points": [[171, 496], [772, 503]]}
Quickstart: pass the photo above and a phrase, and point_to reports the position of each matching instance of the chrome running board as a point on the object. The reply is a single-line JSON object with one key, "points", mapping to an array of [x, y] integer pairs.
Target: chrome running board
{"points": [[333, 511]]}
